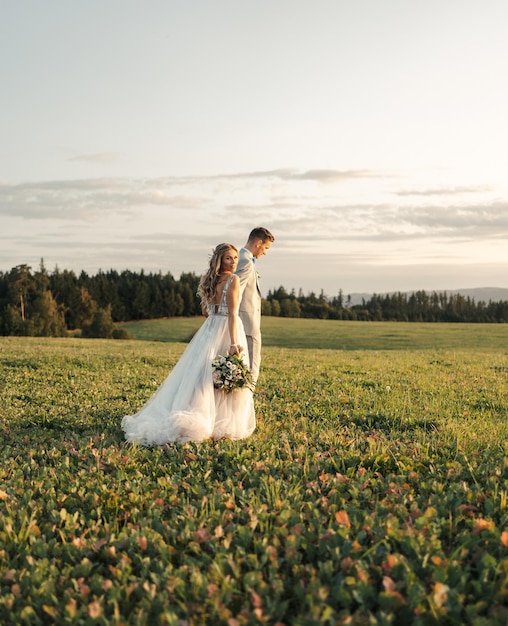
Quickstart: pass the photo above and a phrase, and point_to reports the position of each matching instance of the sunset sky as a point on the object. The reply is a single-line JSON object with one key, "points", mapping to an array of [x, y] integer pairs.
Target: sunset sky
{"points": [[369, 136]]}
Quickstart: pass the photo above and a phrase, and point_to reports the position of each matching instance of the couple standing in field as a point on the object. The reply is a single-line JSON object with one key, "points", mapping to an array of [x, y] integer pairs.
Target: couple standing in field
{"points": [[188, 406]]}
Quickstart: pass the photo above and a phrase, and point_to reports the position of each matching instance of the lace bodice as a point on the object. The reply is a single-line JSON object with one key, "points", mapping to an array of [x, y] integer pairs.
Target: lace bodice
{"points": [[222, 307]]}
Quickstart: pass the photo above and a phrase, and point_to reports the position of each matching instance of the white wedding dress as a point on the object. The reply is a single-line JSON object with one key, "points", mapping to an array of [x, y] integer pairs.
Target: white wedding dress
{"points": [[187, 407]]}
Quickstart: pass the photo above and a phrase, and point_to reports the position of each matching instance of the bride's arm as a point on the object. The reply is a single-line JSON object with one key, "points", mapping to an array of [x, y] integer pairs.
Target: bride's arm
{"points": [[232, 296]]}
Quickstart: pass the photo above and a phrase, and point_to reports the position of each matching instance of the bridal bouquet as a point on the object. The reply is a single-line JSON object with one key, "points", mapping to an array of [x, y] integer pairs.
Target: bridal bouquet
{"points": [[230, 373]]}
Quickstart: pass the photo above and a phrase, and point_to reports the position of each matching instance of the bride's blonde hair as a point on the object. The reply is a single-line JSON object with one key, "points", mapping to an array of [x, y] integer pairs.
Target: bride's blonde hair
{"points": [[207, 288]]}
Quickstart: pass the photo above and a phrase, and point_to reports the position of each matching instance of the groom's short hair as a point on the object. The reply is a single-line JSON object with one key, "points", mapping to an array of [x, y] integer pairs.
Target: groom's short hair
{"points": [[261, 233]]}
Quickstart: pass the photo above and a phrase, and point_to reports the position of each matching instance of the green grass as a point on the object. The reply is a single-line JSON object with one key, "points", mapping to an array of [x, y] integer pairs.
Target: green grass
{"points": [[342, 335], [374, 491]]}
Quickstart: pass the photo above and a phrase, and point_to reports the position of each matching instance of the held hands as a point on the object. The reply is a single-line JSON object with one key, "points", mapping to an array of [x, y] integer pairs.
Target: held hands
{"points": [[234, 348]]}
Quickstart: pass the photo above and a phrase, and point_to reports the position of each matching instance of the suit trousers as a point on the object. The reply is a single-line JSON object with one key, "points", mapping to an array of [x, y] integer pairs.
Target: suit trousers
{"points": [[254, 346]]}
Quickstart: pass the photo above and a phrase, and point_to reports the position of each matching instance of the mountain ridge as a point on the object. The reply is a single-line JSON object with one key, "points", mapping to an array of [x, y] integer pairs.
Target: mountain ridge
{"points": [[485, 294]]}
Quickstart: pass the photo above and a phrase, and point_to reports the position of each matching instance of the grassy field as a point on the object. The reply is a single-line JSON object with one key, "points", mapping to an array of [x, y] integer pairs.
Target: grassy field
{"points": [[374, 490], [339, 335]]}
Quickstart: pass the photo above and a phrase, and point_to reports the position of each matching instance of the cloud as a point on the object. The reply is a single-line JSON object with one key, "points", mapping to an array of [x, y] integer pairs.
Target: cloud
{"points": [[334, 176], [88, 199], [280, 174], [481, 220], [317, 175], [445, 191], [386, 222], [98, 157], [216, 205]]}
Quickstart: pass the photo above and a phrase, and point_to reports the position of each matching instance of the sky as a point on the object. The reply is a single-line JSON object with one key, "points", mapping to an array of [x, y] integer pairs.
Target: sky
{"points": [[369, 137]]}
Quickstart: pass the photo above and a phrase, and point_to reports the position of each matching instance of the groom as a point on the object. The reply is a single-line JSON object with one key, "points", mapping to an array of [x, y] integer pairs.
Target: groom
{"points": [[258, 244]]}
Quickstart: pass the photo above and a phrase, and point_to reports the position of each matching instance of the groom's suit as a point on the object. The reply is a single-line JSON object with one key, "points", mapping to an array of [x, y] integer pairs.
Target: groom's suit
{"points": [[250, 307]]}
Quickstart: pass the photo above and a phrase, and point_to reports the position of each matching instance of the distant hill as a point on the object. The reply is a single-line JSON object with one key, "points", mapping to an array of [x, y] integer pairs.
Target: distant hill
{"points": [[494, 294]]}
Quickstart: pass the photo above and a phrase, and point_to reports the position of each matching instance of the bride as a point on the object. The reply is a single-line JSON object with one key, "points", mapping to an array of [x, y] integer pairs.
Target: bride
{"points": [[187, 407]]}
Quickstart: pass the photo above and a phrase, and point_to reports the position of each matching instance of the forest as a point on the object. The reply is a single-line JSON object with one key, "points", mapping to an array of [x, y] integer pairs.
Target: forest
{"points": [[55, 304]]}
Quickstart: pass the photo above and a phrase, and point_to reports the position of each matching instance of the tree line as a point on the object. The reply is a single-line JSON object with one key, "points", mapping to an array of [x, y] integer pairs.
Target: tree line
{"points": [[42, 303], [419, 306]]}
